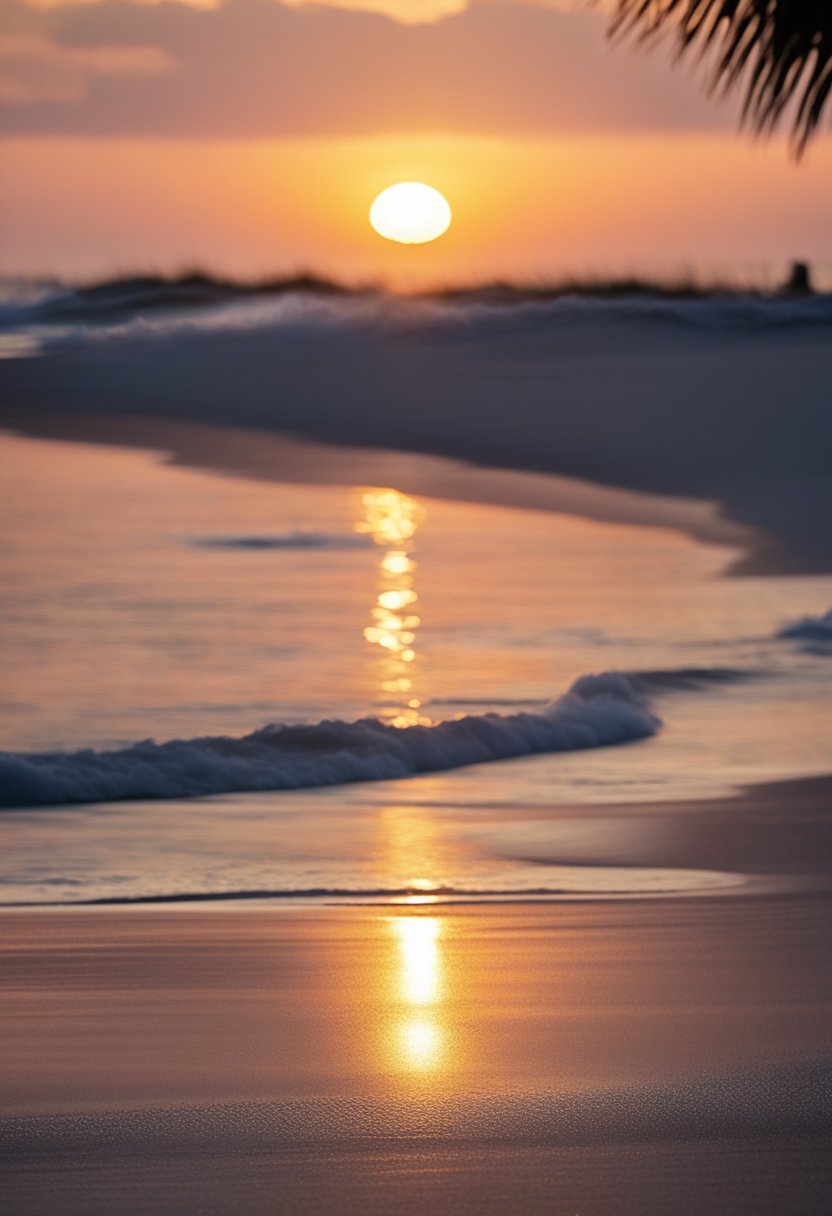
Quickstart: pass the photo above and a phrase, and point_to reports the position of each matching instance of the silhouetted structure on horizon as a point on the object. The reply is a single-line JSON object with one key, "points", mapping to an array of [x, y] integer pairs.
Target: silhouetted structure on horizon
{"points": [[799, 282]]}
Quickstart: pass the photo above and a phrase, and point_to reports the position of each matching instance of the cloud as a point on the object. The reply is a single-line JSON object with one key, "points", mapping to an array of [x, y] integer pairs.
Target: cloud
{"points": [[408, 12], [33, 69], [256, 68]]}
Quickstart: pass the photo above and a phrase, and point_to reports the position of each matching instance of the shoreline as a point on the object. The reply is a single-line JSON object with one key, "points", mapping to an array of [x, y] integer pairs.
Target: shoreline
{"points": [[770, 840], [505, 391], [286, 457]]}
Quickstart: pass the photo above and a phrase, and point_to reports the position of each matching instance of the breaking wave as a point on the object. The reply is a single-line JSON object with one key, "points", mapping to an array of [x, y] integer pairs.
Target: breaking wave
{"points": [[597, 711], [815, 630], [154, 306]]}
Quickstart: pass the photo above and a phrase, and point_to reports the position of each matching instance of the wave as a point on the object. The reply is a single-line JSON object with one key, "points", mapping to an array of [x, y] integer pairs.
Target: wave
{"points": [[288, 540], [688, 679], [815, 630], [136, 294], [149, 305], [597, 711]]}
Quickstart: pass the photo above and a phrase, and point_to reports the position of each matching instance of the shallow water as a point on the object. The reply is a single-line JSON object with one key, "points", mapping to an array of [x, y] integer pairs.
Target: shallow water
{"points": [[142, 600]]}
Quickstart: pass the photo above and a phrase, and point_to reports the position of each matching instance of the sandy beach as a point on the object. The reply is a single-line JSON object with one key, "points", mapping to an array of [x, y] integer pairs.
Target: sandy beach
{"points": [[595, 1056], [415, 608], [537, 1058]]}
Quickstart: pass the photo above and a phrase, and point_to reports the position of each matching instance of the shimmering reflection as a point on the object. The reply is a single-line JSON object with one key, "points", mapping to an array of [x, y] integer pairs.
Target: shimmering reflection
{"points": [[420, 958], [392, 519], [416, 848], [421, 1042], [420, 1033]]}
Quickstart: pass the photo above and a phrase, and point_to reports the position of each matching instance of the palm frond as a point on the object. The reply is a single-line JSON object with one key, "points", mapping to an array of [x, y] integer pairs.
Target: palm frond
{"points": [[778, 52]]}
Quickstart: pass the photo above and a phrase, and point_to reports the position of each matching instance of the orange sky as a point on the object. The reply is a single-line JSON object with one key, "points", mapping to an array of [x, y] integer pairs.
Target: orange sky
{"points": [[251, 136]]}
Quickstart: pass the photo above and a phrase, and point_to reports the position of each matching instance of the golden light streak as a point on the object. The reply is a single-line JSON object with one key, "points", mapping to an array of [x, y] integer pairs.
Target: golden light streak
{"points": [[392, 518], [420, 1033], [418, 943]]}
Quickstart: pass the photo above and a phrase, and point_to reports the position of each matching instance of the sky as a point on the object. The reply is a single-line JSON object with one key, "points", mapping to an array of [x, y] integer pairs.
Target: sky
{"points": [[250, 137]]}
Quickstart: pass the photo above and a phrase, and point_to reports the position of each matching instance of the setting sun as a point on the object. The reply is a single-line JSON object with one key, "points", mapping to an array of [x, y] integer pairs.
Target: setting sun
{"points": [[410, 213]]}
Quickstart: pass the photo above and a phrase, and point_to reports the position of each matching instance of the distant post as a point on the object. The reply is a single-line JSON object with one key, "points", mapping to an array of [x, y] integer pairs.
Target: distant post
{"points": [[799, 282]]}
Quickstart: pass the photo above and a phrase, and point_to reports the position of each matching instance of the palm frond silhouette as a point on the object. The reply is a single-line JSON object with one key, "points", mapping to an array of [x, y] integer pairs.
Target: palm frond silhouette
{"points": [[777, 52]]}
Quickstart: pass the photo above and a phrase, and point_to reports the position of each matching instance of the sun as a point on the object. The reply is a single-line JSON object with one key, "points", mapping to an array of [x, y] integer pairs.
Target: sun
{"points": [[410, 213]]}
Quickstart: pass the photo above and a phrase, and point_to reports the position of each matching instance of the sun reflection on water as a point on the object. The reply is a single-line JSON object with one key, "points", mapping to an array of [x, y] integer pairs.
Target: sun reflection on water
{"points": [[418, 940], [421, 1042], [418, 1039], [420, 1032], [392, 519]]}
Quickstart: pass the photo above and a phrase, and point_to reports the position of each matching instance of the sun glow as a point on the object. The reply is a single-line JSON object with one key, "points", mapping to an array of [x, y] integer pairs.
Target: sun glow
{"points": [[410, 213]]}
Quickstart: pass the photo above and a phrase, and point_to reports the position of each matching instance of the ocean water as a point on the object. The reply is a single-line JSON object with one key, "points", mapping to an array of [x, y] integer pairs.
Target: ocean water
{"points": [[172, 641]]}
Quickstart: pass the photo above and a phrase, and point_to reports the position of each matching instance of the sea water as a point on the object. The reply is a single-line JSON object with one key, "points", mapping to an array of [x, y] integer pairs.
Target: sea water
{"points": [[155, 619]]}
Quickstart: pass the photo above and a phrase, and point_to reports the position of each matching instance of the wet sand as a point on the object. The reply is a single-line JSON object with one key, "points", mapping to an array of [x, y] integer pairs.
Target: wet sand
{"points": [[665, 1056]]}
